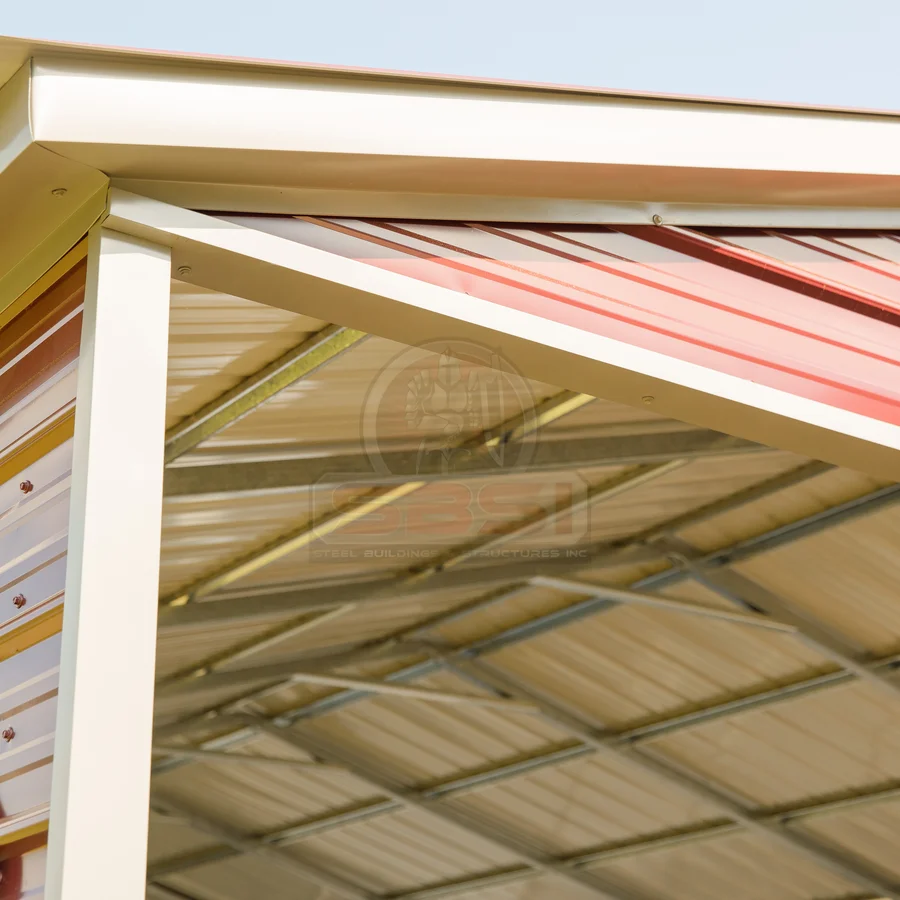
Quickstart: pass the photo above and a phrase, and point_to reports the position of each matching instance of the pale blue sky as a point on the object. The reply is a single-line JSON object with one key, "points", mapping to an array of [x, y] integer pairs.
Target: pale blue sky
{"points": [[816, 51]]}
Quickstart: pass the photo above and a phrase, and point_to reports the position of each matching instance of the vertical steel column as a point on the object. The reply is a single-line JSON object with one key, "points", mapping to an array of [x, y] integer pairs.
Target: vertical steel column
{"points": [[101, 777]]}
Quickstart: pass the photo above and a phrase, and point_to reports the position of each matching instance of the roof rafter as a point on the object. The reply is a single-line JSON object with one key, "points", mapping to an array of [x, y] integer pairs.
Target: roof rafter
{"points": [[579, 449]]}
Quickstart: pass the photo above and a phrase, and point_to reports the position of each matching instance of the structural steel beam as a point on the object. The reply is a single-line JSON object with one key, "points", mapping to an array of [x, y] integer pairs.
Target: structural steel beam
{"points": [[329, 679], [256, 389], [225, 756], [576, 451], [670, 604]]}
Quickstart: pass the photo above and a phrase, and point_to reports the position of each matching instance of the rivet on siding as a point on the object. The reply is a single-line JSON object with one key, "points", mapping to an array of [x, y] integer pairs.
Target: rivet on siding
{"points": [[184, 270], [19, 601], [9, 734], [657, 220], [26, 487]]}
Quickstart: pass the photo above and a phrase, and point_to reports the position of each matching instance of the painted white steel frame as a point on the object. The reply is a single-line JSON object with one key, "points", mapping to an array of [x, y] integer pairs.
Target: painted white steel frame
{"points": [[206, 134], [101, 775], [231, 257]]}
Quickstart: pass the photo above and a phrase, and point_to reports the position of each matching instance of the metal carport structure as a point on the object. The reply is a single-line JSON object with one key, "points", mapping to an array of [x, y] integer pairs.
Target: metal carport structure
{"points": [[569, 646]]}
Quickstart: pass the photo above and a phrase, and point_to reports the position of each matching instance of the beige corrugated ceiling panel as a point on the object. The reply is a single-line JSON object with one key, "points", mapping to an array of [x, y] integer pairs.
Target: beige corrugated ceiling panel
{"points": [[215, 340], [737, 867], [422, 741], [520, 607], [699, 482], [671, 494], [807, 498], [259, 798], [185, 647], [167, 710], [200, 535], [845, 577], [372, 619], [541, 888], [634, 664], [869, 832], [405, 850], [329, 406], [586, 802], [837, 740], [247, 877], [426, 523], [170, 837]]}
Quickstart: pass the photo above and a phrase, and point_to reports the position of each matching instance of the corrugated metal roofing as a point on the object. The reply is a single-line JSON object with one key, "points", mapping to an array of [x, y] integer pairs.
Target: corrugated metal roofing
{"points": [[772, 317]]}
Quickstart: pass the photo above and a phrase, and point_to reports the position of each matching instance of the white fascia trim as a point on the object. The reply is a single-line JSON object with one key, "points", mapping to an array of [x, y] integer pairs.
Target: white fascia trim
{"points": [[89, 102]]}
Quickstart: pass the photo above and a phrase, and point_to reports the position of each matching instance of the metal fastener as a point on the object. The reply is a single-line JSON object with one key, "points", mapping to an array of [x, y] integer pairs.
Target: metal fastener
{"points": [[9, 734], [647, 398], [19, 601], [59, 192], [26, 487], [184, 270], [657, 220]]}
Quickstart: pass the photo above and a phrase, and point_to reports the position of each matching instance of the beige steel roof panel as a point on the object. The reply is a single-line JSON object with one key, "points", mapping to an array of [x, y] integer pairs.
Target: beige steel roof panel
{"points": [[259, 798], [533, 888], [247, 876], [664, 497], [842, 739], [185, 647], [373, 376], [631, 664], [170, 837], [201, 535], [405, 850], [418, 741], [845, 577], [215, 340], [590, 801], [738, 867], [436, 518], [367, 621], [811, 496], [869, 832]]}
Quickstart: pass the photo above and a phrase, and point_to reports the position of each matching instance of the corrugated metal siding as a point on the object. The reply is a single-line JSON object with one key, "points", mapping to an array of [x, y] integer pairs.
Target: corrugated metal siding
{"points": [[39, 347]]}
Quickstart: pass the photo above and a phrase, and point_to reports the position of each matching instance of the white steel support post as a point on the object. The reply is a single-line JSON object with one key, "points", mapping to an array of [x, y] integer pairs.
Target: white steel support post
{"points": [[101, 778]]}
